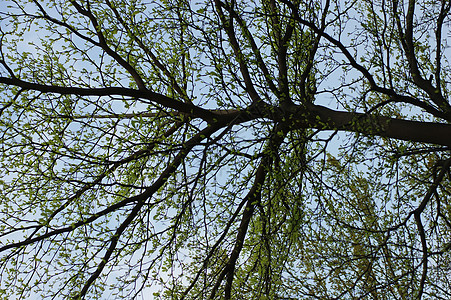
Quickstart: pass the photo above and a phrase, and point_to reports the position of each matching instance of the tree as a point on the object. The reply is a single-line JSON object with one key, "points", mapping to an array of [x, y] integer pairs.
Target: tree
{"points": [[225, 149]]}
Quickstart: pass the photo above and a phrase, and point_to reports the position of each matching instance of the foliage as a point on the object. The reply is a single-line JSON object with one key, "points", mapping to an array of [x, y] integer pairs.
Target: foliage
{"points": [[267, 149]]}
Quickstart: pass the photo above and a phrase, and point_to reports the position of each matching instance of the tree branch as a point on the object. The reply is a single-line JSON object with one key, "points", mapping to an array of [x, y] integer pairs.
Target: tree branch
{"points": [[160, 99], [446, 111], [104, 45], [252, 199], [321, 117]]}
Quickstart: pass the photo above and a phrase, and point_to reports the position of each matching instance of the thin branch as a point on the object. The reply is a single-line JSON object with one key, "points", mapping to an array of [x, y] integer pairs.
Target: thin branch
{"points": [[104, 45], [252, 199], [444, 11], [446, 114], [239, 55], [407, 43], [164, 176], [146, 49], [260, 62]]}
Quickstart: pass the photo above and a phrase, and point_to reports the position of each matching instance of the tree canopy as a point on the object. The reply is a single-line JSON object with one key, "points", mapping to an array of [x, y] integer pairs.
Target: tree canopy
{"points": [[225, 149]]}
